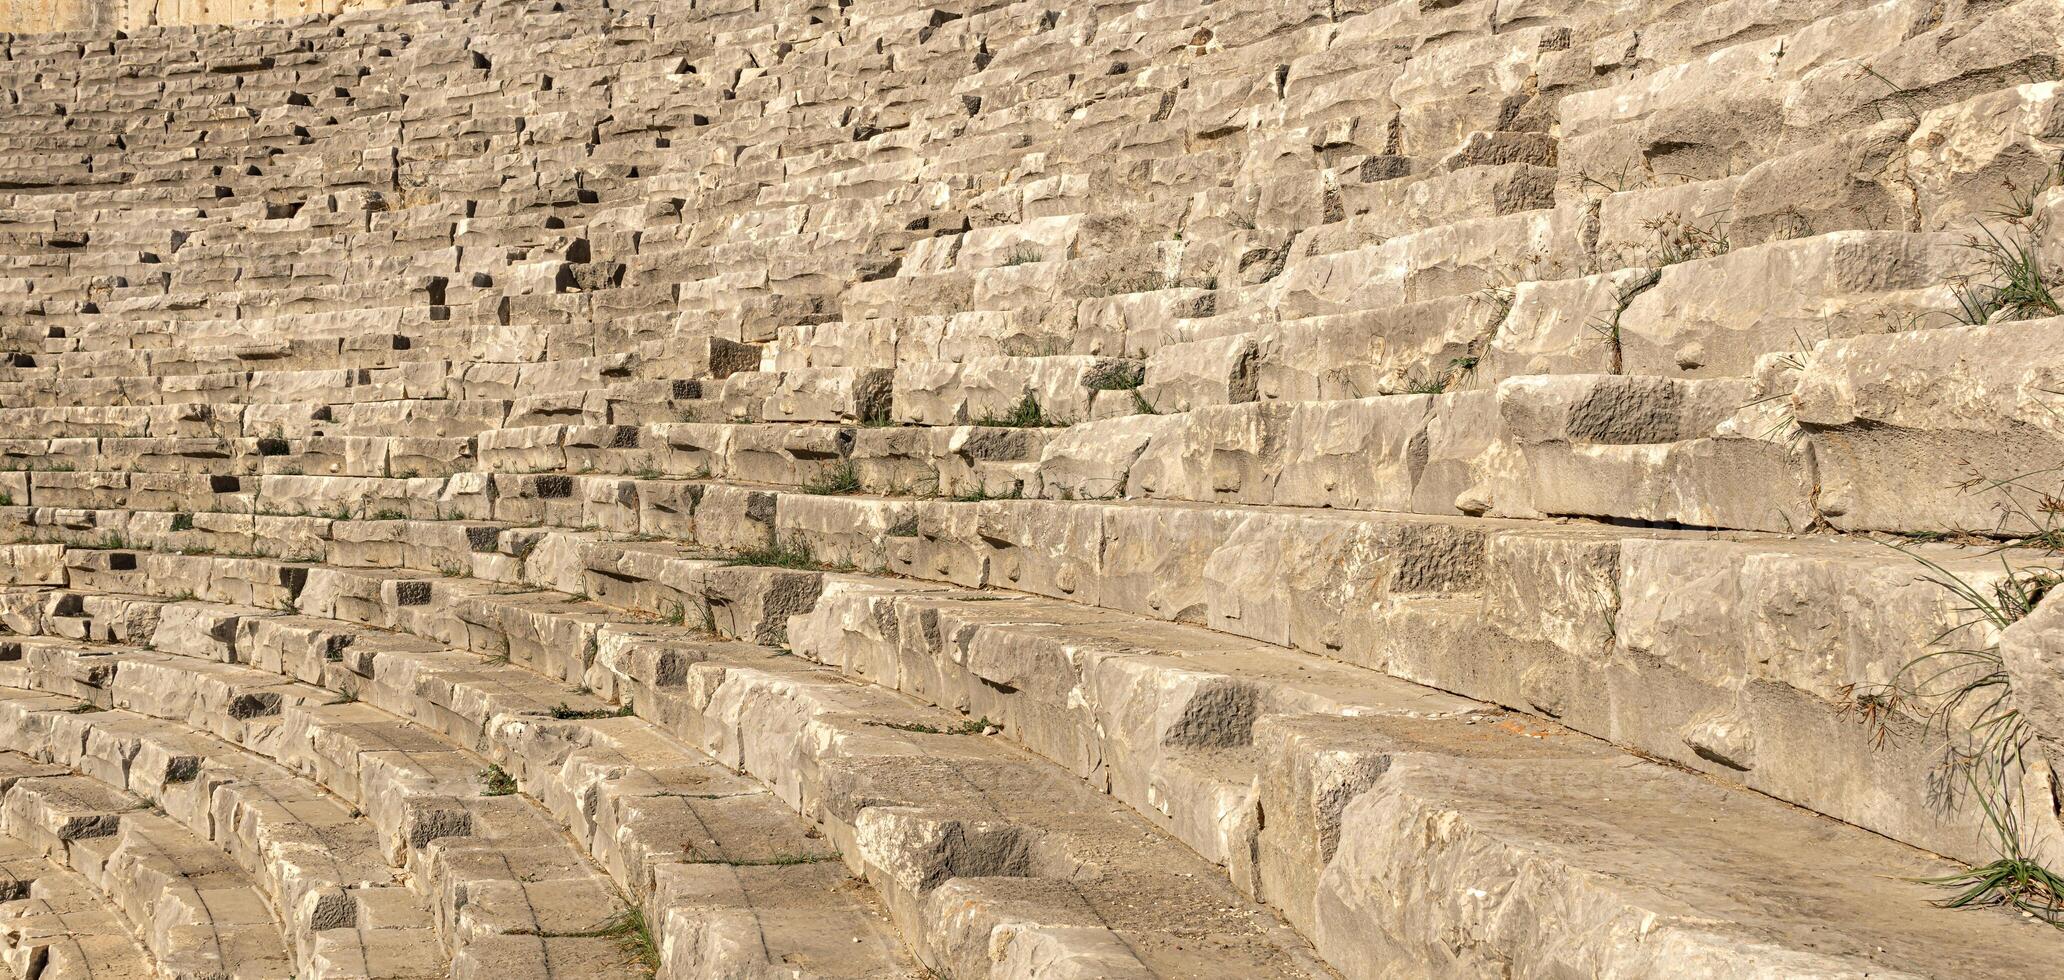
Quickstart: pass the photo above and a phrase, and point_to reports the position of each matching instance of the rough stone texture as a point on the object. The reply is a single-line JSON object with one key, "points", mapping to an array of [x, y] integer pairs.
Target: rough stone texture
{"points": [[105, 16], [767, 488]]}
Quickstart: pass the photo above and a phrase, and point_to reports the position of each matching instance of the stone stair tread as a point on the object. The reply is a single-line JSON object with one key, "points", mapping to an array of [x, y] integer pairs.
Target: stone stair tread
{"points": [[1688, 874], [196, 912], [565, 485], [1625, 826], [669, 794], [959, 779], [57, 924], [1448, 740], [311, 857]]}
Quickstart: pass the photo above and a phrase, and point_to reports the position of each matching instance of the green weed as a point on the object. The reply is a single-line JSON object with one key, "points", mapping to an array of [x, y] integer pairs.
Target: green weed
{"points": [[1026, 414], [565, 712], [2014, 285], [778, 860], [1963, 694], [842, 479], [1607, 325], [796, 553], [975, 727], [498, 782]]}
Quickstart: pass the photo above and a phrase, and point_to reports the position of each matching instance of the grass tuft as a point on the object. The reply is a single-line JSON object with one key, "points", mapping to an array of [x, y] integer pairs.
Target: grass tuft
{"points": [[777, 861], [566, 712], [1437, 384], [795, 553], [1607, 325], [2014, 880], [1963, 694], [841, 480], [2014, 286], [498, 782], [1026, 414], [2023, 200], [975, 727], [634, 934]]}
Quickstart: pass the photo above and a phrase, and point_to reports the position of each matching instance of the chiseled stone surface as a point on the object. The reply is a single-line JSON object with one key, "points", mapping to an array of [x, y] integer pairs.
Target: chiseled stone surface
{"points": [[37, 16], [973, 489]]}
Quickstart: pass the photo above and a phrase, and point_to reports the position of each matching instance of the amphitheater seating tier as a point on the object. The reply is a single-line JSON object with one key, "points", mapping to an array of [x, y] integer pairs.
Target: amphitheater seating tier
{"points": [[781, 488]]}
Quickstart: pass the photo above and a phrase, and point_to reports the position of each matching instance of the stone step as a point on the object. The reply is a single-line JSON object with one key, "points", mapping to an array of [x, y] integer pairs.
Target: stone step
{"points": [[191, 907], [373, 456], [1550, 606], [1033, 827], [1702, 453], [682, 857], [1192, 700], [1199, 697], [56, 925], [317, 864], [1162, 715], [1707, 454], [724, 875]]}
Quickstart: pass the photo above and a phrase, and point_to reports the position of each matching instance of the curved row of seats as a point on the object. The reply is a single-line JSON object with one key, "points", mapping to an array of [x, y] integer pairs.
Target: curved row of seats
{"points": [[1219, 742], [1140, 489]]}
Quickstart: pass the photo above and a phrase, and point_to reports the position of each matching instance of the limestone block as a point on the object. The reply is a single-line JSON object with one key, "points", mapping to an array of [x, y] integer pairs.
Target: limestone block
{"points": [[1183, 376], [1137, 324], [1913, 431], [32, 564], [1096, 460], [992, 388], [1836, 285], [1967, 160], [809, 395], [198, 629], [1369, 352], [1451, 260], [1649, 449]]}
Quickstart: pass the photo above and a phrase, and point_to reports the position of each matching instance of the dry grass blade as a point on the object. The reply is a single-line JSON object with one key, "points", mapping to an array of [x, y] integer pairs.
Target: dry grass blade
{"points": [[844, 479], [630, 929], [1964, 692], [2016, 286], [2014, 880]]}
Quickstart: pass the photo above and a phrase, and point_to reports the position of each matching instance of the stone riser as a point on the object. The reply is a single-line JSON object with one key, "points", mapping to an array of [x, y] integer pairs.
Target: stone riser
{"points": [[413, 787], [468, 702], [1448, 546], [58, 926], [194, 913], [1284, 866], [1553, 610]]}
